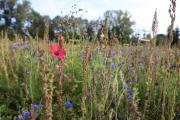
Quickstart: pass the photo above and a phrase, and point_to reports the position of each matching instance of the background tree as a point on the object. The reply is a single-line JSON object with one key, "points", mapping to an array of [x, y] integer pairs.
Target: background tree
{"points": [[176, 34], [14, 14], [36, 24], [160, 38], [121, 22]]}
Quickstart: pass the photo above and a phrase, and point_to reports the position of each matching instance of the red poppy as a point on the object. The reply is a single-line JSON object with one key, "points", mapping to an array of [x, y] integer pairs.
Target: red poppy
{"points": [[57, 51]]}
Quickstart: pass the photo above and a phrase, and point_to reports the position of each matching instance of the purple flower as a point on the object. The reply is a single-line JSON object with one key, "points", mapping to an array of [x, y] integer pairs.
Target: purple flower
{"points": [[14, 46], [130, 97], [113, 65], [97, 49], [68, 104], [113, 53], [130, 91], [25, 46], [129, 81], [26, 114], [129, 94], [35, 106]]}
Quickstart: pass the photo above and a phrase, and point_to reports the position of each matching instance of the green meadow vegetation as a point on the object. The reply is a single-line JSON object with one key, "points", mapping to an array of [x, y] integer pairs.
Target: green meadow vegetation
{"points": [[134, 82], [89, 78]]}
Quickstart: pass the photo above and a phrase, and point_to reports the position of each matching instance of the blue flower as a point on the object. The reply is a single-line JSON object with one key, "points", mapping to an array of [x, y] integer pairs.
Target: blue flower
{"points": [[130, 97], [25, 46], [130, 91], [14, 46], [97, 49], [113, 53], [129, 94], [129, 81], [26, 114], [113, 65], [35, 106], [68, 104]]}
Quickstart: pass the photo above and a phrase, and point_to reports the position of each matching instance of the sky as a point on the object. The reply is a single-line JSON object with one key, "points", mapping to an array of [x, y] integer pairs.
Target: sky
{"points": [[141, 11]]}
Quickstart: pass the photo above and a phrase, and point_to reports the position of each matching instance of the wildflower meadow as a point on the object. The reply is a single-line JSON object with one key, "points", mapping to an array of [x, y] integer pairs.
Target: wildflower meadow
{"points": [[76, 78]]}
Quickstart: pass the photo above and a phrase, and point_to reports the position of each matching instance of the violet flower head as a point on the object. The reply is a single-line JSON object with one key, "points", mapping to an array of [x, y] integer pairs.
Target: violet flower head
{"points": [[129, 81], [35, 106], [97, 49], [129, 94], [113, 53], [26, 114], [129, 91], [113, 65], [14, 46], [68, 104], [25, 45]]}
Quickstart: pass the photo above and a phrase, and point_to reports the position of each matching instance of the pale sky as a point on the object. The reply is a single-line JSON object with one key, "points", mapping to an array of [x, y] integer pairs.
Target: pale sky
{"points": [[141, 11]]}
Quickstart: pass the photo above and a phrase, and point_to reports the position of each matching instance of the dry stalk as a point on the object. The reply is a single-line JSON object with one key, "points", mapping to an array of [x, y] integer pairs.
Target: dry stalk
{"points": [[105, 32], [60, 95], [60, 82], [172, 10], [46, 31], [47, 89], [154, 29], [84, 80]]}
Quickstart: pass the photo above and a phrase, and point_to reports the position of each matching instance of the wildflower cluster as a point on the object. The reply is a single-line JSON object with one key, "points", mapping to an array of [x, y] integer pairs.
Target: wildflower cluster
{"points": [[27, 114]]}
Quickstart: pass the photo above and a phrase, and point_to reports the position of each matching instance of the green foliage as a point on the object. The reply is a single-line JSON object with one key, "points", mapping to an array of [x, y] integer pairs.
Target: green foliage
{"points": [[121, 22]]}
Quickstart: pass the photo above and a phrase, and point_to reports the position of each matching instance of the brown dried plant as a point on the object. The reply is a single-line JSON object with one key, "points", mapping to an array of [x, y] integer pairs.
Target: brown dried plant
{"points": [[172, 10], [46, 31], [47, 89], [105, 32], [154, 29], [84, 81]]}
